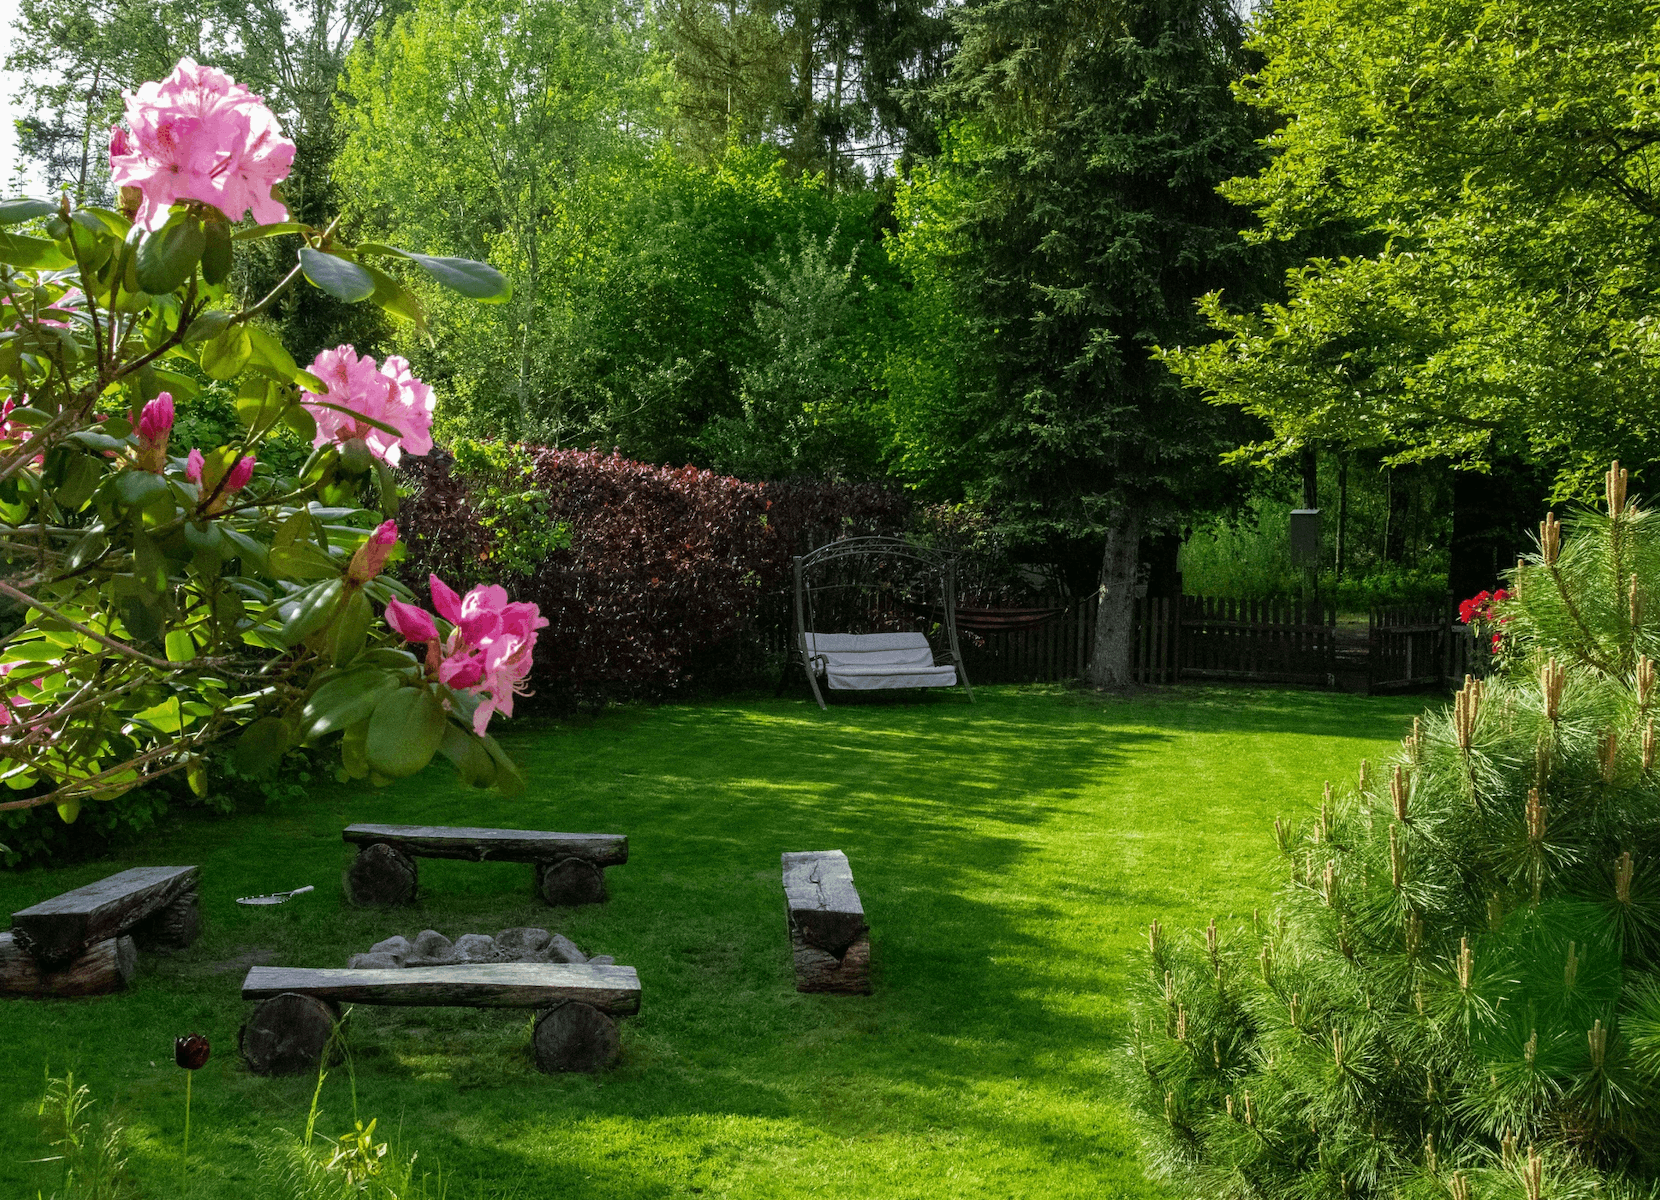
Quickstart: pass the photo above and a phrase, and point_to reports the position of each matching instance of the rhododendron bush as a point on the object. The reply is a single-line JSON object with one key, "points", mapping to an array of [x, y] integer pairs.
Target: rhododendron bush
{"points": [[174, 594]]}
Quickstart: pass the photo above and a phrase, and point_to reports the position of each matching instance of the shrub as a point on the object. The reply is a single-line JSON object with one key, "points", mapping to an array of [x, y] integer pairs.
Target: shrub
{"points": [[1457, 993], [663, 570], [169, 600]]}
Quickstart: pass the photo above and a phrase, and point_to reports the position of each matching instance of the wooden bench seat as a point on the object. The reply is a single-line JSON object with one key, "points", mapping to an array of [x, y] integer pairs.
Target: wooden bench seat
{"points": [[570, 867], [826, 918], [299, 1007], [71, 944]]}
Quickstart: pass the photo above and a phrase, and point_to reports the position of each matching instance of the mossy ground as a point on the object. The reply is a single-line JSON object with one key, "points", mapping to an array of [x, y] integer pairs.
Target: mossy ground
{"points": [[1010, 855]]}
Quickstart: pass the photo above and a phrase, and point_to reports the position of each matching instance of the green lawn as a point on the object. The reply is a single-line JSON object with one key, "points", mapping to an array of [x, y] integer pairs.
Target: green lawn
{"points": [[1009, 854]]}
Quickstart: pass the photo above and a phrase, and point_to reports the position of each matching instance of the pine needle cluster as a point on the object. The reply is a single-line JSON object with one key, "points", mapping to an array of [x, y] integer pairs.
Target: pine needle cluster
{"points": [[1458, 991]]}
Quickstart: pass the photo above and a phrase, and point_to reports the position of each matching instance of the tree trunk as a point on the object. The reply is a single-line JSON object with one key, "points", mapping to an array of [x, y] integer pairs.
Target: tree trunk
{"points": [[1113, 659], [1342, 512], [1311, 479]]}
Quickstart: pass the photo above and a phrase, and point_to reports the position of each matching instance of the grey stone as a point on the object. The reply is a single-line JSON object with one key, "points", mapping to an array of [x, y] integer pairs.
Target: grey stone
{"points": [[602, 960], [430, 945], [560, 949], [373, 962], [473, 948], [518, 945], [397, 946]]}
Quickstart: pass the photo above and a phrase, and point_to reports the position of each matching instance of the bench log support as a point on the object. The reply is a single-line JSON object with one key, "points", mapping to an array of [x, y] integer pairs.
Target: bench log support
{"points": [[828, 934], [569, 867], [575, 1031], [107, 966]]}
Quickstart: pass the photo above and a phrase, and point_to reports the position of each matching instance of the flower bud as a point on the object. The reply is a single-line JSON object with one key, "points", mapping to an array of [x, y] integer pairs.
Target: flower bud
{"points": [[415, 624], [156, 421], [193, 466], [370, 559], [191, 1051], [240, 474], [154, 424]]}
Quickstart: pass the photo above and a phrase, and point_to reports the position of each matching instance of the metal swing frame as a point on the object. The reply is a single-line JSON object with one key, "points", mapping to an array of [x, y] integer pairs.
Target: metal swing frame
{"points": [[942, 566]]}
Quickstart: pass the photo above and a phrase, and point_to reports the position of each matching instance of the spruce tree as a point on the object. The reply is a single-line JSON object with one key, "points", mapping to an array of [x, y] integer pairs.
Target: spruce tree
{"points": [[1456, 993]]}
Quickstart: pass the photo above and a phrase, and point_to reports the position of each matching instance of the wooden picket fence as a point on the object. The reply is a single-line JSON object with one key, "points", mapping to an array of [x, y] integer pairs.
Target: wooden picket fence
{"points": [[1209, 637], [1266, 641]]}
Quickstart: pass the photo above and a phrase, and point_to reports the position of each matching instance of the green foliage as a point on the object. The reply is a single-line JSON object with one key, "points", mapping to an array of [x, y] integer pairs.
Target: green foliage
{"points": [[1459, 988], [515, 513], [1483, 172], [169, 601], [1071, 223], [90, 1151]]}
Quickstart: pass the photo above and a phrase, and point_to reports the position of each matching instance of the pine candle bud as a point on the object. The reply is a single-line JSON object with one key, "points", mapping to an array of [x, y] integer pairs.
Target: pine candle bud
{"points": [[1466, 964], [1645, 679], [1533, 1175], [1550, 539], [1364, 765], [1531, 1050], [1397, 865], [1552, 678], [1615, 484], [1634, 601], [1296, 1009], [1570, 968], [1622, 878], [1535, 817], [1598, 1037], [1397, 793], [1459, 1186], [1337, 1048], [1154, 932], [1608, 755], [1648, 745]]}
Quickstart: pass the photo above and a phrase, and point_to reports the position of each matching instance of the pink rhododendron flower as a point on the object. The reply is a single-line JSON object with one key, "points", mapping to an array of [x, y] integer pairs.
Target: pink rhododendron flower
{"points": [[387, 393], [240, 474], [193, 466], [415, 624], [156, 421], [371, 556], [489, 649], [200, 135]]}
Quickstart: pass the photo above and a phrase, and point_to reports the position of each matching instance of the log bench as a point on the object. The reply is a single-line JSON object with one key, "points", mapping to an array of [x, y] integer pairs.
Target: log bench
{"points": [[827, 923], [575, 1031], [570, 867], [85, 942]]}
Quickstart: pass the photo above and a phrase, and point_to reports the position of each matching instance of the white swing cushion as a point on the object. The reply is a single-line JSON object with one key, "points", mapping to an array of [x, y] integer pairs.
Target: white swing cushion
{"points": [[862, 662]]}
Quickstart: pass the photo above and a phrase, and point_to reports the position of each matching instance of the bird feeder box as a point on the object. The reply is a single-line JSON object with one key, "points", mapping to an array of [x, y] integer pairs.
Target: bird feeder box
{"points": [[1305, 537]]}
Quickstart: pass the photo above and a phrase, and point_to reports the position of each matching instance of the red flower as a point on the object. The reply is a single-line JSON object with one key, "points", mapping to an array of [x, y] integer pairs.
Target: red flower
{"points": [[191, 1052]]}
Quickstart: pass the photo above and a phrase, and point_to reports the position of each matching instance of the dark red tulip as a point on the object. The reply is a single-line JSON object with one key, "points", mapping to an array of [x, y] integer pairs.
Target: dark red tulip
{"points": [[191, 1052]]}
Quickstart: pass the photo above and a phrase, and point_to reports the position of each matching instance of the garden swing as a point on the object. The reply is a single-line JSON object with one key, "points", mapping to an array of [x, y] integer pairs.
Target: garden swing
{"points": [[864, 607]]}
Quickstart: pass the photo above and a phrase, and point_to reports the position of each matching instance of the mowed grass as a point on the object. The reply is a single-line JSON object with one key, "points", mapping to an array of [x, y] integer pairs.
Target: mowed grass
{"points": [[1010, 855]]}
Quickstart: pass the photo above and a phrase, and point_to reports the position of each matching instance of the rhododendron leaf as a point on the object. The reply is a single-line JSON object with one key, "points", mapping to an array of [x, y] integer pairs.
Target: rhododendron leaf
{"points": [[261, 746], [367, 420], [316, 605], [475, 280], [14, 211], [226, 355], [310, 382], [275, 229], [351, 629], [339, 277], [209, 324], [272, 354], [298, 419], [405, 732], [69, 809], [29, 253], [510, 781], [169, 256], [183, 387], [258, 403], [138, 488], [388, 487], [112, 221], [345, 700], [216, 253], [180, 647], [472, 761], [397, 299], [354, 750]]}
